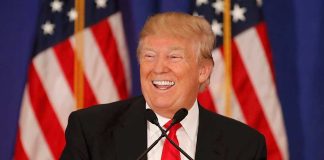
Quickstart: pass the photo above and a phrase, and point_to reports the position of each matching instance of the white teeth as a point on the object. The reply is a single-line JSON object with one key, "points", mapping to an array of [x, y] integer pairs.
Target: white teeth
{"points": [[163, 83]]}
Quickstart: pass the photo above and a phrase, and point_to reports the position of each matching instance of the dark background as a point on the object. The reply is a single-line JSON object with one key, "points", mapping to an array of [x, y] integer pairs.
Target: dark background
{"points": [[296, 32]]}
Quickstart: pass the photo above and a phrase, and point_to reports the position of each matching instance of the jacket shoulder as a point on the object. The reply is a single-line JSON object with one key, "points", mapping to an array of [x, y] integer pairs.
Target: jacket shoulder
{"points": [[100, 117], [235, 135], [230, 138], [231, 126]]}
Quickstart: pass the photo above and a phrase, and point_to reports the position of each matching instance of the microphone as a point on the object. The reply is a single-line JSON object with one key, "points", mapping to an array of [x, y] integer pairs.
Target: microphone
{"points": [[151, 117], [178, 117]]}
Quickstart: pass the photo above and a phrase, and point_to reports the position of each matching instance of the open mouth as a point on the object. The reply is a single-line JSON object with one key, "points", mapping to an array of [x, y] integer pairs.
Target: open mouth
{"points": [[163, 84]]}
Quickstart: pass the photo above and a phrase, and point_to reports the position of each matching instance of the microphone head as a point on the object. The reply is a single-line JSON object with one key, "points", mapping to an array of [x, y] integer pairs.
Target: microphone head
{"points": [[179, 115], [151, 116]]}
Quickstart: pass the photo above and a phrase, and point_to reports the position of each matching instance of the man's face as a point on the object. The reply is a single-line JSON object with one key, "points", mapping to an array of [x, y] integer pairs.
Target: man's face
{"points": [[170, 73]]}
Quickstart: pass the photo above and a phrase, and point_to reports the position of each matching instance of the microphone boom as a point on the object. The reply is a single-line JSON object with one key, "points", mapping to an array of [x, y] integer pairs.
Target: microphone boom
{"points": [[177, 118]]}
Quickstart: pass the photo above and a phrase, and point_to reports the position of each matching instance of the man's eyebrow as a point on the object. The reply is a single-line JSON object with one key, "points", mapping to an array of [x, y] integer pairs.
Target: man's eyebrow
{"points": [[176, 48], [147, 48], [170, 49]]}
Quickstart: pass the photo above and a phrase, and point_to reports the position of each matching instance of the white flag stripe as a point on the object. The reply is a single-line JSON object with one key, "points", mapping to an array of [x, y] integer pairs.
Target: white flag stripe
{"points": [[217, 78], [258, 69], [217, 88], [236, 108], [117, 28], [32, 139], [96, 70], [55, 85]]}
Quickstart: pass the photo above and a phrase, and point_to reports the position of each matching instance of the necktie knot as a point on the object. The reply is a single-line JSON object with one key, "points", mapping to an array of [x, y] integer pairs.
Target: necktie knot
{"points": [[174, 128]]}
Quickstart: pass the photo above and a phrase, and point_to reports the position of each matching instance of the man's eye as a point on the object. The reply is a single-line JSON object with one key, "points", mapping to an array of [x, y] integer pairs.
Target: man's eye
{"points": [[148, 56], [175, 57]]}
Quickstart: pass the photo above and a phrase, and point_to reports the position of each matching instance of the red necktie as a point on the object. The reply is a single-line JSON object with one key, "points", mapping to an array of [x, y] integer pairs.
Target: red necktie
{"points": [[169, 152]]}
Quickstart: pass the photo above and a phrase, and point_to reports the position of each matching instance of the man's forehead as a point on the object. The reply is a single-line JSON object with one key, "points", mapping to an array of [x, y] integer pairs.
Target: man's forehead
{"points": [[170, 48]]}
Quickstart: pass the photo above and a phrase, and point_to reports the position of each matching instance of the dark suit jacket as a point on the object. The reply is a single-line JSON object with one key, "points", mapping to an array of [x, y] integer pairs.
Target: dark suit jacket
{"points": [[117, 131]]}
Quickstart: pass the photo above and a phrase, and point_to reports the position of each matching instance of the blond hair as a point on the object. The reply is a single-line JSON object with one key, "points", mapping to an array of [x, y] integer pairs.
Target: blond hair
{"points": [[182, 25]]}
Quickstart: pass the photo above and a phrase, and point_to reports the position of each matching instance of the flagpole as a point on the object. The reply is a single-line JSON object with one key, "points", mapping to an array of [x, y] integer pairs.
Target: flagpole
{"points": [[228, 56], [79, 50]]}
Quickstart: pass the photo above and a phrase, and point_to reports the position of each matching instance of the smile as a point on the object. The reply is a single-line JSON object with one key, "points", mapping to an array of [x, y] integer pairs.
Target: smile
{"points": [[163, 84]]}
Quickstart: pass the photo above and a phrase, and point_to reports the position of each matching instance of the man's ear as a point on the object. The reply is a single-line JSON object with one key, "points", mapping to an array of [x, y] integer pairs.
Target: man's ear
{"points": [[205, 70]]}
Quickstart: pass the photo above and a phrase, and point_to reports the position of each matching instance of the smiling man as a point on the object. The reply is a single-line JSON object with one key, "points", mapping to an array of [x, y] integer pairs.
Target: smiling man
{"points": [[175, 58]]}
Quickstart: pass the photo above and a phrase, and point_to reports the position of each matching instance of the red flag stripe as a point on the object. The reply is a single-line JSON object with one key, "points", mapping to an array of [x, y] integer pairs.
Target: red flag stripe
{"points": [[108, 47], [89, 98], [97, 71], [259, 71], [20, 153], [117, 28], [65, 56], [31, 136], [262, 33], [250, 104], [107, 44], [206, 100], [51, 76], [48, 121], [217, 89], [42, 121]]}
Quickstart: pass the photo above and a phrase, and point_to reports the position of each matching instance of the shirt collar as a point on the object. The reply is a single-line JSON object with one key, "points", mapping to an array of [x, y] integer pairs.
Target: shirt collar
{"points": [[189, 123]]}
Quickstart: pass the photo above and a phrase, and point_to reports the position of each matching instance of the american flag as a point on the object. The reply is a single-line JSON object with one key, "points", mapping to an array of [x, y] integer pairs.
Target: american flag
{"points": [[49, 95], [254, 98]]}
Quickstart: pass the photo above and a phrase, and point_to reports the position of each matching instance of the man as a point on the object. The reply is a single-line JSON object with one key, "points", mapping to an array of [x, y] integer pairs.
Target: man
{"points": [[175, 60]]}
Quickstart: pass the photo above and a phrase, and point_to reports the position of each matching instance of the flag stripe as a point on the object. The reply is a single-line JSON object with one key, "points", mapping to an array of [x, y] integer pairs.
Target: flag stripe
{"points": [[216, 80], [248, 99], [254, 97], [32, 139], [20, 153], [107, 45], [51, 76], [117, 28], [262, 34], [262, 80], [49, 123], [237, 112], [218, 90], [49, 91], [89, 97], [97, 72], [65, 55], [206, 100]]}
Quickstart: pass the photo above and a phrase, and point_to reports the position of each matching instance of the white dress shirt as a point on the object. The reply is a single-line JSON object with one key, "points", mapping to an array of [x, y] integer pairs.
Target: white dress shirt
{"points": [[187, 134]]}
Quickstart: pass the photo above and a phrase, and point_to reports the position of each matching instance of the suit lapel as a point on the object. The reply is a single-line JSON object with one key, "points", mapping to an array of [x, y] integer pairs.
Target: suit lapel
{"points": [[209, 144], [131, 136]]}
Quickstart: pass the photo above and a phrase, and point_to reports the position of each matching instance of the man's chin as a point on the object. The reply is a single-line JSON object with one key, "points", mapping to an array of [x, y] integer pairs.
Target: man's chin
{"points": [[161, 106], [164, 111]]}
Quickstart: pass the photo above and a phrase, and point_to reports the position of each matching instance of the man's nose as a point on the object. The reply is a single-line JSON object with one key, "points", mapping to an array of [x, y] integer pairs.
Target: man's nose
{"points": [[161, 65]]}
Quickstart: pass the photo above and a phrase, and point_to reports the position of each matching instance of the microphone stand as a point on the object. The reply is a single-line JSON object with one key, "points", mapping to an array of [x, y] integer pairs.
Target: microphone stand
{"points": [[151, 146], [176, 119]]}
